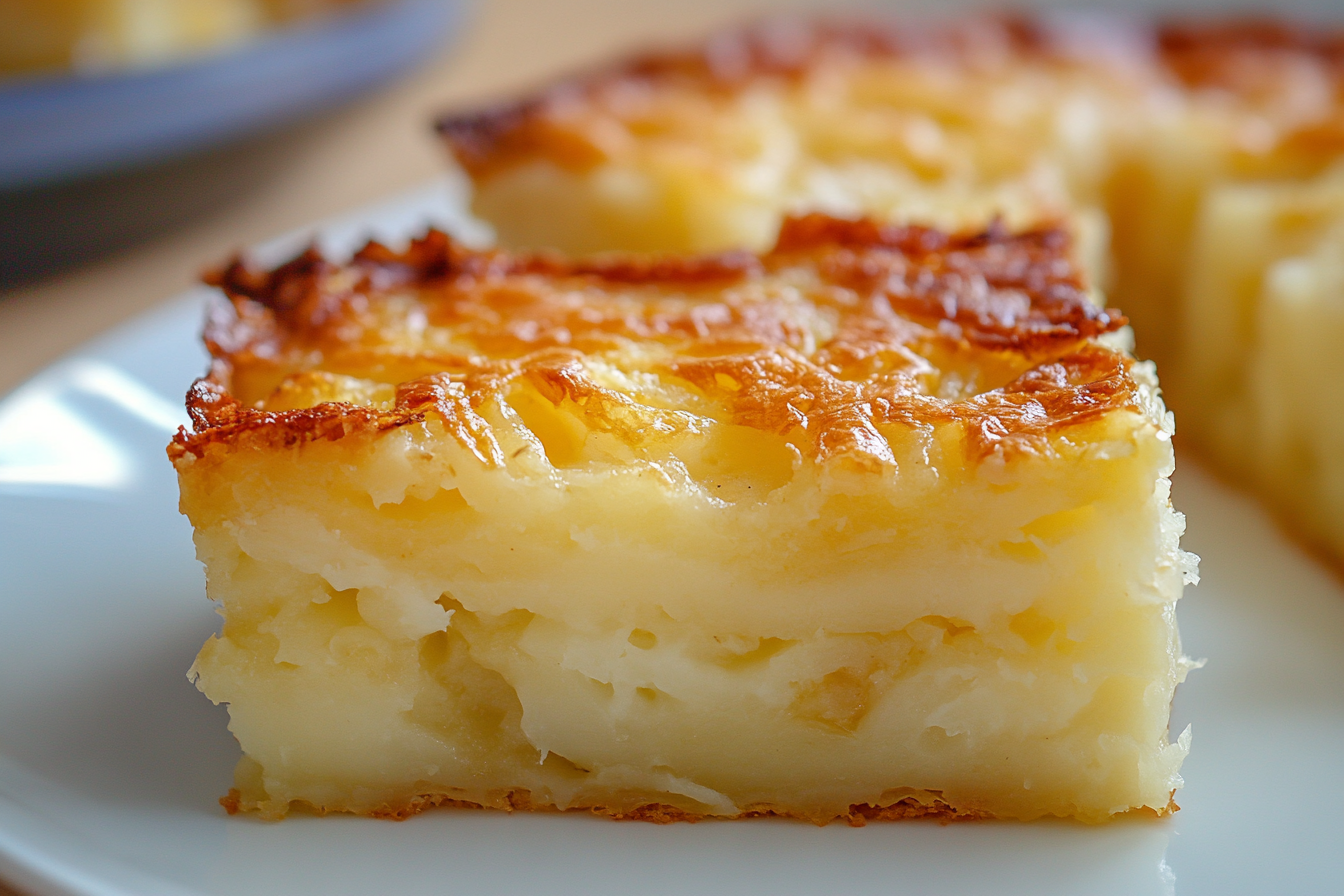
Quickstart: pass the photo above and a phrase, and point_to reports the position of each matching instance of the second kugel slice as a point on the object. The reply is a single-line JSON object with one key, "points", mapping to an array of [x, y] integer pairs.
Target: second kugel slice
{"points": [[1199, 165]]}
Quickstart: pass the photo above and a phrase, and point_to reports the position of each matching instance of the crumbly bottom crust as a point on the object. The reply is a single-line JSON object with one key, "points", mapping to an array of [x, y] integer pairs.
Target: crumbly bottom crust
{"points": [[859, 814]]}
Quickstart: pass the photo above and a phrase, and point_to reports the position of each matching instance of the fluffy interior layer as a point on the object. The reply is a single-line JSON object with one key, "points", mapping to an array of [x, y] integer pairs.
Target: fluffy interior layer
{"points": [[720, 634], [1186, 202]]}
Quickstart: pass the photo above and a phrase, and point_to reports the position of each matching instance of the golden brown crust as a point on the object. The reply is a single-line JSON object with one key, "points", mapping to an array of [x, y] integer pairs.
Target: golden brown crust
{"points": [[1255, 59], [1035, 294], [840, 329]]}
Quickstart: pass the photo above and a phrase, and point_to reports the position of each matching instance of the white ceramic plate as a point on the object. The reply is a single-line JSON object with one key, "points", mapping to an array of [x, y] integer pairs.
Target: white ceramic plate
{"points": [[111, 762]]}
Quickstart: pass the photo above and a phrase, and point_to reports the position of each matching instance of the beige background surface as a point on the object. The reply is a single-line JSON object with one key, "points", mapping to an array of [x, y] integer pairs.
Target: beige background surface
{"points": [[377, 147]]}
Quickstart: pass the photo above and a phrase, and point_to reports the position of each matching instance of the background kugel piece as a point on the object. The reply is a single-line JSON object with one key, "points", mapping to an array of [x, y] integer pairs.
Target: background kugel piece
{"points": [[1197, 165]]}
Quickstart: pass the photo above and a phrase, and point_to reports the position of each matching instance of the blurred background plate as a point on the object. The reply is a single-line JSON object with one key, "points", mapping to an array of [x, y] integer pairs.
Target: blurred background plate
{"points": [[57, 127]]}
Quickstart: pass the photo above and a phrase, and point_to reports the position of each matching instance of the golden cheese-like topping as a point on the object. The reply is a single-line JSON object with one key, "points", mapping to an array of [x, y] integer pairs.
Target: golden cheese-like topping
{"points": [[983, 92], [845, 326]]}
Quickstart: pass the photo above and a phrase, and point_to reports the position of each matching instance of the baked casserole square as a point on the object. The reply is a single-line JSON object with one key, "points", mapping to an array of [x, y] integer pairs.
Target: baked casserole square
{"points": [[873, 524]]}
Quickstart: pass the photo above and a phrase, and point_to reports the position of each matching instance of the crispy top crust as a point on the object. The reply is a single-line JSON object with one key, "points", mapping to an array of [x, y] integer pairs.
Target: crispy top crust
{"points": [[844, 327], [1265, 64]]}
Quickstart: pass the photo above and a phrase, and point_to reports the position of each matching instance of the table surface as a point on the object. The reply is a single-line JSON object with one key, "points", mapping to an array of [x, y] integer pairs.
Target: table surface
{"points": [[376, 147]]}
